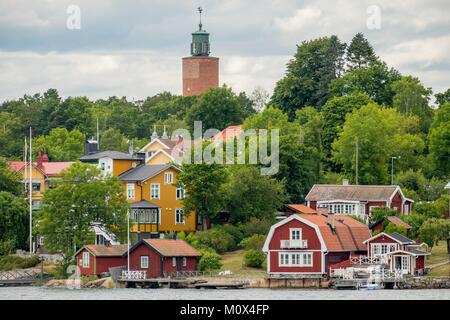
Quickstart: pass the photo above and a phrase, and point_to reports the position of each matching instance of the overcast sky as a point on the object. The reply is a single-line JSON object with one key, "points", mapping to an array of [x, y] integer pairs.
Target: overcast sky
{"points": [[133, 48]]}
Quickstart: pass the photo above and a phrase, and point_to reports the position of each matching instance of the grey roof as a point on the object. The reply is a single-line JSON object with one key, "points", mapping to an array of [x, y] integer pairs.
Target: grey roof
{"points": [[110, 154], [144, 172], [143, 204], [400, 238], [324, 192], [418, 252]]}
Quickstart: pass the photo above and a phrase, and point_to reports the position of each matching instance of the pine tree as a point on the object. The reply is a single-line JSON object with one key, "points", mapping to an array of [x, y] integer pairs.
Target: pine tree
{"points": [[360, 52]]}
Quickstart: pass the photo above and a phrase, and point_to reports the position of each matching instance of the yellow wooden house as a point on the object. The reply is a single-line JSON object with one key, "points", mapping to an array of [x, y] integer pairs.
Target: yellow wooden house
{"points": [[156, 201]]}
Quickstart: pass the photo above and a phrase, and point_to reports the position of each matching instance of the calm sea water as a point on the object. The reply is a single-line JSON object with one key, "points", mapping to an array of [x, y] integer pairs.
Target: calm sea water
{"points": [[38, 293]]}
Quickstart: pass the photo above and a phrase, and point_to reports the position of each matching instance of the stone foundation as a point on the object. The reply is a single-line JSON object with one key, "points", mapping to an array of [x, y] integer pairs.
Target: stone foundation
{"points": [[425, 283]]}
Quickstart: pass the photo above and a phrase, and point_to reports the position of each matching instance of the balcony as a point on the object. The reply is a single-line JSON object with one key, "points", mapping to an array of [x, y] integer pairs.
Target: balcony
{"points": [[293, 244]]}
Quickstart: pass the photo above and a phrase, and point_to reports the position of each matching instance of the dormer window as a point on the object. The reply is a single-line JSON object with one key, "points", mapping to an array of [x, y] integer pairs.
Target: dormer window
{"points": [[296, 234], [150, 153]]}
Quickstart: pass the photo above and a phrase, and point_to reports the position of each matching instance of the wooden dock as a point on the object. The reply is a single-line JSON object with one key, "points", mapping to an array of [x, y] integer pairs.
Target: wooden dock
{"points": [[174, 283], [219, 285], [20, 278]]}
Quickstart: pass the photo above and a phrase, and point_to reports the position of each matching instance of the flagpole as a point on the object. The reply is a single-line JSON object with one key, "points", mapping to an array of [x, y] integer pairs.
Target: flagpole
{"points": [[31, 202]]}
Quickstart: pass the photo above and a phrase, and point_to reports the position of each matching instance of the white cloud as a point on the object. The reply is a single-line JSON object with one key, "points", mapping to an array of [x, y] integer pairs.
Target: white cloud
{"points": [[302, 18]]}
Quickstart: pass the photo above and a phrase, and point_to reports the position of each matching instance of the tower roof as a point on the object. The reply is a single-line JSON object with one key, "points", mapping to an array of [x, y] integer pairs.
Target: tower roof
{"points": [[200, 39]]}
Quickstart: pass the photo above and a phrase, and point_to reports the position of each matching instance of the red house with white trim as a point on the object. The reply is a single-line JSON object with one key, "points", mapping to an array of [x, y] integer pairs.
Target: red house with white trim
{"points": [[161, 257], [357, 199], [96, 259], [308, 244], [397, 252]]}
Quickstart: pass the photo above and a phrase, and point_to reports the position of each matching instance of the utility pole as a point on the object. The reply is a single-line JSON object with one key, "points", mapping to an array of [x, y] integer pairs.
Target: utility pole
{"points": [[357, 155], [392, 169], [98, 137], [31, 193], [128, 241]]}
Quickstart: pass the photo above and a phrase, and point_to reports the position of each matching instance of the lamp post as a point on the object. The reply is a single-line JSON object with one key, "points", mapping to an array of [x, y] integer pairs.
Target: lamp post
{"points": [[392, 168], [447, 186]]}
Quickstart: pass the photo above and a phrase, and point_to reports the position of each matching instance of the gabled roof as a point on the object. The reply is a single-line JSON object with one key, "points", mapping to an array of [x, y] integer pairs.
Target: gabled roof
{"points": [[394, 236], [169, 247], [413, 252], [324, 192], [105, 251], [393, 219], [229, 132], [348, 236], [145, 172], [115, 155], [301, 208], [47, 168]]}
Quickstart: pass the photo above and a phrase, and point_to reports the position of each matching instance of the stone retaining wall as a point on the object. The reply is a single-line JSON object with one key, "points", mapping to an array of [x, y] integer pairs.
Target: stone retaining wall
{"points": [[425, 283]]}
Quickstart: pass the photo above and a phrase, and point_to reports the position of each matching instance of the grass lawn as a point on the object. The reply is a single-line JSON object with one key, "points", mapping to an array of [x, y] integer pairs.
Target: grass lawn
{"points": [[442, 271], [438, 254], [234, 261]]}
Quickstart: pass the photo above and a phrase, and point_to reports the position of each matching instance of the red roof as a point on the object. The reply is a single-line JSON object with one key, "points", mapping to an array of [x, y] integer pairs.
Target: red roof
{"points": [[172, 248], [301, 208], [348, 236], [108, 251], [229, 132], [48, 168]]}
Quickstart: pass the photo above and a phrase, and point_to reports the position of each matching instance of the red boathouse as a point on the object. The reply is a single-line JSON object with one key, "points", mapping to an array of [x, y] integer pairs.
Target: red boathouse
{"points": [[161, 257], [95, 259], [307, 245]]}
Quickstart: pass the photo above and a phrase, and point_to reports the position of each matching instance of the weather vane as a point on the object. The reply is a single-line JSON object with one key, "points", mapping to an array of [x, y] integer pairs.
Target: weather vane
{"points": [[200, 12]]}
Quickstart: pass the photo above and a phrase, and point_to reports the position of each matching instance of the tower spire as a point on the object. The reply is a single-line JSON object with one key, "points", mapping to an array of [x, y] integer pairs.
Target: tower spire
{"points": [[200, 14]]}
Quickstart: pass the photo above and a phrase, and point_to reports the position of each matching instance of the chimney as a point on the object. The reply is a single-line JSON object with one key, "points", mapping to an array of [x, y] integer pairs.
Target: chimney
{"points": [[45, 157], [331, 222], [91, 146], [345, 182], [39, 157]]}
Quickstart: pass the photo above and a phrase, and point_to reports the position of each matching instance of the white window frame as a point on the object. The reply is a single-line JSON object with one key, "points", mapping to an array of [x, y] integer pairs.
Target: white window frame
{"points": [[130, 191], [174, 262], [180, 193], [168, 177], [295, 259], [86, 263], [158, 197], [376, 249], [293, 231], [144, 262], [179, 212], [184, 262]]}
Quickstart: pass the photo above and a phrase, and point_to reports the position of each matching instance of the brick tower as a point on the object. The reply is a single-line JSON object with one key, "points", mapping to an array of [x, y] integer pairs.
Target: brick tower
{"points": [[200, 71]]}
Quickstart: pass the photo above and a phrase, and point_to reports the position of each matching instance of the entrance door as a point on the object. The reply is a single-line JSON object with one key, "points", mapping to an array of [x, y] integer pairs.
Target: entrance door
{"points": [[402, 263]]}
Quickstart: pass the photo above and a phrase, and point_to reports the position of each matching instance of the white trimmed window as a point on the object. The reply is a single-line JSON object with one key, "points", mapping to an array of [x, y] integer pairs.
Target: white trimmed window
{"points": [[86, 262], [180, 193], [184, 261], [179, 216], [144, 262], [296, 259], [130, 191], [296, 234], [168, 177], [174, 262], [155, 191]]}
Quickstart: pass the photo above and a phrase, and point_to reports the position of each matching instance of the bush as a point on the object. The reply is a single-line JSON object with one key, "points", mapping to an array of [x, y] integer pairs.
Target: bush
{"points": [[215, 238], [234, 231], [181, 235], [395, 228], [209, 261], [14, 262], [254, 258], [7, 246], [380, 212], [255, 242], [256, 226]]}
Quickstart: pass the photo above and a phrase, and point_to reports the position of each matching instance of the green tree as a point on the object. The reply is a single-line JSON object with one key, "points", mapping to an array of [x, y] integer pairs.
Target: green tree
{"points": [[442, 97], [13, 220], [74, 113], [204, 185], [412, 98], [333, 114], [375, 80], [83, 196], [209, 261], [375, 132], [112, 139], [250, 194], [308, 75], [360, 52], [61, 144], [439, 141], [10, 181], [254, 258], [433, 230], [395, 228], [217, 108]]}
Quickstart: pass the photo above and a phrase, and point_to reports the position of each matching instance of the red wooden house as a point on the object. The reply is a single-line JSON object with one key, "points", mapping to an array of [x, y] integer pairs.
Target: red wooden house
{"points": [[161, 257], [357, 199], [95, 259], [307, 245], [397, 252]]}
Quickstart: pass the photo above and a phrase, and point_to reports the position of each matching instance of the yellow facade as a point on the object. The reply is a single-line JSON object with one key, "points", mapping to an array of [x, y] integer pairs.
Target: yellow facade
{"points": [[39, 181], [167, 202], [120, 166], [159, 158]]}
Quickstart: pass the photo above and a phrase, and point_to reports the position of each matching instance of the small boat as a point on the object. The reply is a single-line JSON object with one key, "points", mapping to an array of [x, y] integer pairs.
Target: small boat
{"points": [[369, 286]]}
